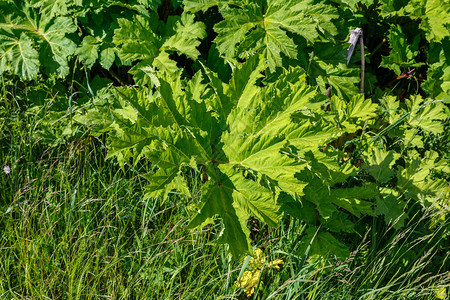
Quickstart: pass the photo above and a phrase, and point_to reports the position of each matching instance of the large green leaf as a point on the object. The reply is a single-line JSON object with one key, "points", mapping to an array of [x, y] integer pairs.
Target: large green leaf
{"points": [[352, 116], [52, 8], [318, 244], [435, 15], [427, 115], [390, 204], [140, 41], [437, 84], [416, 182], [402, 54], [379, 164], [390, 8], [259, 27], [203, 5], [328, 68], [88, 51], [186, 38], [23, 30], [19, 56], [241, 135]]}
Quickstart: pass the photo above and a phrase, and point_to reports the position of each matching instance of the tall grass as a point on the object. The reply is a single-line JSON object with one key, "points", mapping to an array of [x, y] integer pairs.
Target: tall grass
{"points": [[74, 226]]}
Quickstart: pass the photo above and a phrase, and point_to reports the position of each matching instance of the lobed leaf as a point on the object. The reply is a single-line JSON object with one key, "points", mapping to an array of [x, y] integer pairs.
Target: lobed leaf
{"points": [[402, 54], [23, 30], [251, 28]]}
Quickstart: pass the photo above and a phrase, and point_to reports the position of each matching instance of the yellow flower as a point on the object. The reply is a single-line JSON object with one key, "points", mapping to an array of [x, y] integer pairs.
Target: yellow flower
{"points": [[250, 279], [440, 293], [275, 264]]}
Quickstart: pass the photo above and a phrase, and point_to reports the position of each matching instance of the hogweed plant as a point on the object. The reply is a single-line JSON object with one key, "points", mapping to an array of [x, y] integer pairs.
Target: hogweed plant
{"points": [[240, 110]]}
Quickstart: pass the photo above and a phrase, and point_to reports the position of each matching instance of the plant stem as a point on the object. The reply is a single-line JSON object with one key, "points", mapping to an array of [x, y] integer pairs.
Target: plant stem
{"points": [[377, 47], [363, 63]]}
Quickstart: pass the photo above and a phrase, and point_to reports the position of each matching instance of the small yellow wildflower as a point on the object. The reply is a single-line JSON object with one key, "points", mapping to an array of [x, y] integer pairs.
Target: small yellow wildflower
{"points": [[275, 264], [250, 279], [440, 293], [258, 259]]}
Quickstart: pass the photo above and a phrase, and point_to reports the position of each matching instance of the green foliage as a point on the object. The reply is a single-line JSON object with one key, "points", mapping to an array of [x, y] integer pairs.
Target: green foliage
{"points": [[23, 30], [267, 27], [255, 98], [402, 55], [74, 225], [233, 133], [435, 15], [437, 84], [141, 39], [328, 68]]}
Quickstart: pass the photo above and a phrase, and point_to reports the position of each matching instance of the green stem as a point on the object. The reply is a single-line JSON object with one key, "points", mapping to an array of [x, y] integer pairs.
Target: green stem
{"points": [[363, 63]]}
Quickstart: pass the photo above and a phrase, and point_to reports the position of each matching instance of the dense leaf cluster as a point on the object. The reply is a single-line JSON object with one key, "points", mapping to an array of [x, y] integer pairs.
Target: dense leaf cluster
{"points": [[257, 98]]}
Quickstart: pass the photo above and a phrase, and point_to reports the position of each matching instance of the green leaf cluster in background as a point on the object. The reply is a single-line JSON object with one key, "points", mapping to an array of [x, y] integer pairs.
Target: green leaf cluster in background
{"points": [[143, 40], [268, 27]]}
